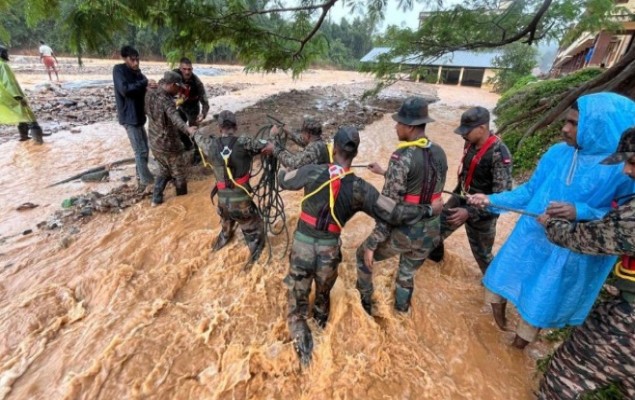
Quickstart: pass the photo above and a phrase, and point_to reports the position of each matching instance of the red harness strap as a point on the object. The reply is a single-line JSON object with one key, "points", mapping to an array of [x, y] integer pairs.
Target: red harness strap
{"points": [[477, 159], [311, 220], [241, 181], [416, 198]]}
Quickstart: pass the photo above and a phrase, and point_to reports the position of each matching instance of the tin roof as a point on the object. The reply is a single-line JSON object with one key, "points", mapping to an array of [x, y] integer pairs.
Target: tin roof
{"points": [[455, 59]]}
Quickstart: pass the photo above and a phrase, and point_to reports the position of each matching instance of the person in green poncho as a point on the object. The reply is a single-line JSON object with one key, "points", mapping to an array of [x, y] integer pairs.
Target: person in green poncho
{"points": [[14, 107]]}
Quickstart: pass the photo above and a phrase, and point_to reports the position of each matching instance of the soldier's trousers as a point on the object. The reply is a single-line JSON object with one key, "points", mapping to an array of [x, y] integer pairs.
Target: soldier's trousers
{"points": [[481, 234], [171, 165], [413, 244], [245, 214], [310, 259], [598, 353]]}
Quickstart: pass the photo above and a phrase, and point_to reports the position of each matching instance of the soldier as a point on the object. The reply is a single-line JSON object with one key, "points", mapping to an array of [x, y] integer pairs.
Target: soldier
{"points": [[332, 196], [163, 128], [14, 107], [486, 167], [310, 137], [231, 156], [602, 350], [191, 94], [416, 174]]}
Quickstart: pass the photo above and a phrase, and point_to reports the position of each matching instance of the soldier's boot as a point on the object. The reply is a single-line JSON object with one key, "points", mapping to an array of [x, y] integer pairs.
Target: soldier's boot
{"points": [[181, 186], [437, 254], [36, 134], [222, 240], [366, 296], [24, 131], [519, 343], [159, 187], [256, 246], [402, 298], [498, 310], [320, 317], [303, 344]]}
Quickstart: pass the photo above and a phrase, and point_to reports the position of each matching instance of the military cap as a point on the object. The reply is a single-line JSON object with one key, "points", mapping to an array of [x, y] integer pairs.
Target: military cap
{"points": [[226, 116], [172, 77], [347, 138], [625, 148], [472, 118], [413, 111], [312, 125]]}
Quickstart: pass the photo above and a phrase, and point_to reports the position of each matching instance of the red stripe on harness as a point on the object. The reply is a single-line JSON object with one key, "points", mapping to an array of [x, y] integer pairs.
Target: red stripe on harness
{"points": [[415, 198], [477, 159], [311, 220], [241, 181]]}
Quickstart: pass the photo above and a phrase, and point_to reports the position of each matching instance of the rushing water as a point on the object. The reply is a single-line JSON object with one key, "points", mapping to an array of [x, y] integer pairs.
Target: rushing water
{"points": [[136, 306]]}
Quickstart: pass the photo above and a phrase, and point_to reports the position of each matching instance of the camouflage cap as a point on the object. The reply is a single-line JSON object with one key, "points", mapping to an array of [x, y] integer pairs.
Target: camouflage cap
{"points": [[172, 77], [475, 116], [413, 111], [312, 125], [226, 116], [625, 148], [347, 138]]}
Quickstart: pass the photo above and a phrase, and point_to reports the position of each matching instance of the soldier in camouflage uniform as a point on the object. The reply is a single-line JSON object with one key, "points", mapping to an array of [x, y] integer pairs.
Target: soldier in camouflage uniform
{"points": [[163, 134], [316, 254], [231, 156], [486, 167], [416, 174], [602, 350], [309, 137]]}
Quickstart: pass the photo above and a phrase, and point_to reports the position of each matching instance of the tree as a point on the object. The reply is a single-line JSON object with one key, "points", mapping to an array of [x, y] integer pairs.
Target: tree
{"points": [[516, 61]]}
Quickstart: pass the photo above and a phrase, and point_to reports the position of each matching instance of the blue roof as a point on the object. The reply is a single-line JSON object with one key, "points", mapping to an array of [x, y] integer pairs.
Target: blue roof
{"points": [[455, 59]]}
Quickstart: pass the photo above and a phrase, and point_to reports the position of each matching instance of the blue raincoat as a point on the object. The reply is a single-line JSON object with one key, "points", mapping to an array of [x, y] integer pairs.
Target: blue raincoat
{"points": [[550, 285]]}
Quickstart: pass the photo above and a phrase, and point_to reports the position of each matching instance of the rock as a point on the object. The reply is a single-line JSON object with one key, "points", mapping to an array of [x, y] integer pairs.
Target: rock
{"points": [[86, 211], [73, 230], [76, 130], [27, 232], [26, 206], [95, 176]]}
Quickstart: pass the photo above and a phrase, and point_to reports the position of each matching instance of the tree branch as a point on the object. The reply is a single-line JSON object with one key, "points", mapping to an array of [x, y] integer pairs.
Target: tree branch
{"points": [[325, 9]]}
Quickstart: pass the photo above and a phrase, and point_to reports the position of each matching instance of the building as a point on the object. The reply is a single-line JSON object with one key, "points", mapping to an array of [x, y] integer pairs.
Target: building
{"points": [[602, 49], [463, 68]]}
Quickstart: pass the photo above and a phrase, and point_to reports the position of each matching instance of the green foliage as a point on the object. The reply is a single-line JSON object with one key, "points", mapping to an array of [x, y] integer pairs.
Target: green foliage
{"points": [[608, 392], [558, 335], [543, 363], [515, 62], [520, 102]]}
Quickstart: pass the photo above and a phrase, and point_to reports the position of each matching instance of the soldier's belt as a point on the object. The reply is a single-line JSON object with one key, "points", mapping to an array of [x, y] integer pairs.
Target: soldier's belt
{"points": [[320, 241]]}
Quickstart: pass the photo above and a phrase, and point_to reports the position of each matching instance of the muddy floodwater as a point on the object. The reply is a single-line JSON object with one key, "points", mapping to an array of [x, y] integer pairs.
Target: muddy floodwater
{"points": [[133, 305]]}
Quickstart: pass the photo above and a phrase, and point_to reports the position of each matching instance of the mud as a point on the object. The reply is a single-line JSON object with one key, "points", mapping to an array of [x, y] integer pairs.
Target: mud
{"points": [[134, 304]]}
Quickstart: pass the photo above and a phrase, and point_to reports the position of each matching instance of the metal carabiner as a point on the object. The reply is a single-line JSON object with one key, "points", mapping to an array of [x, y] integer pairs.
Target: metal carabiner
{"points": [[226, 153]]}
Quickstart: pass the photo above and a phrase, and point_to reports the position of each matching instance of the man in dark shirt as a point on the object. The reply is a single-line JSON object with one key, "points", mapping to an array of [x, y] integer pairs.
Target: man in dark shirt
{"points": [[486, 167], [164, 127], [130, 91], [332, 196]]}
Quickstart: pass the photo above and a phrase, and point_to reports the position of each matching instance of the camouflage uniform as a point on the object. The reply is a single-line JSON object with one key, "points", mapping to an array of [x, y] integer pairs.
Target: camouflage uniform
{"points": [[235, 205], [602, 350], [315, 150], [493, 174], [164, 124], [316, 245], [406, 174]]}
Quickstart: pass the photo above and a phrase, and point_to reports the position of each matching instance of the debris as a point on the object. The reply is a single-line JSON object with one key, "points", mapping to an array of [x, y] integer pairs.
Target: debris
{"points": [[27, 232], [96, 169], [95, 176], [26, 206]]}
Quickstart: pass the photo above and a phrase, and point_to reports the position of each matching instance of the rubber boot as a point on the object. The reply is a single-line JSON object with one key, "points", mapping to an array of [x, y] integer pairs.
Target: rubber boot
{"points": [[366, 296], [402, 298], [221, 241], [437, 253], [181, 187], [36, 133], [320, 318], [303, 344], [157, 193], [24, 132], [254, 254], [498, 310]]}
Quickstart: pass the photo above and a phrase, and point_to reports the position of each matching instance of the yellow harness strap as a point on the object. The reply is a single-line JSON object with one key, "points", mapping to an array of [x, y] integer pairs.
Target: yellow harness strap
{"points": [[205, 163], [225, 156], [421, 142], [618, 271], [329, 148], [331, 197]]}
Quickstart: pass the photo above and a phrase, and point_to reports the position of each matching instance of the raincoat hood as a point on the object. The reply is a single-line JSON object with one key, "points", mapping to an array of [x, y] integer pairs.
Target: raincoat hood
{"points": [[603, 118]]}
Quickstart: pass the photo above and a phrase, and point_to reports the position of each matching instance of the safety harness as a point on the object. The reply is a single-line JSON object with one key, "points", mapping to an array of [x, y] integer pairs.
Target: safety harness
{"points": [[427, 195], [625, 268], [474, 163], [228, 181], [322, 222]]}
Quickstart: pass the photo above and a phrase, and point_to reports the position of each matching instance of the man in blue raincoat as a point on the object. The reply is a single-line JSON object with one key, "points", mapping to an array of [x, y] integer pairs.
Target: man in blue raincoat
{"points": [[14, 108], [553, 287]]}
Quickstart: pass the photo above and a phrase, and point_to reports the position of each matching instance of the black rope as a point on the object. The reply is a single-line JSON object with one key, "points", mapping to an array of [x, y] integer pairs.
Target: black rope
{"points": [[267, 193]]}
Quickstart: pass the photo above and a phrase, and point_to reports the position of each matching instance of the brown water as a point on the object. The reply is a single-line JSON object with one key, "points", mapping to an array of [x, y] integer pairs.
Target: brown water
{"points": [[137, 307]]}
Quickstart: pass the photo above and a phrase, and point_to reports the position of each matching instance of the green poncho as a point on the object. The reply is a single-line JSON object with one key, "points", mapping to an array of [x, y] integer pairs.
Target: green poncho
{"points": [[12, 110]]}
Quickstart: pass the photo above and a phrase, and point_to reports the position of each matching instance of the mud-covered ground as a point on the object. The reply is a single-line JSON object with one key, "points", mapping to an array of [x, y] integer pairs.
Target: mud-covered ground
{"points": [[131, 302]]}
